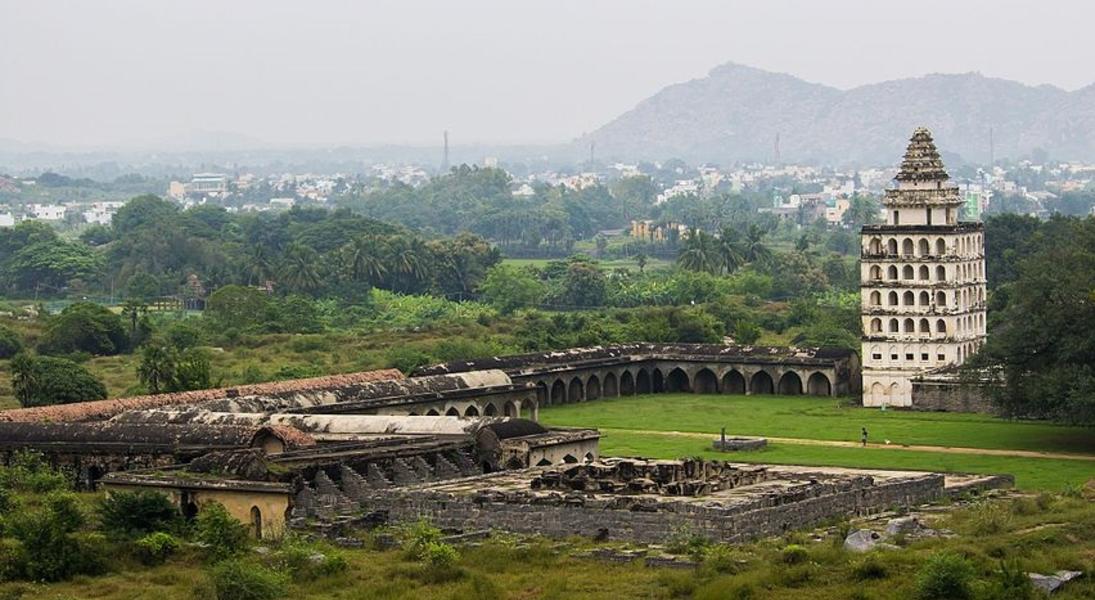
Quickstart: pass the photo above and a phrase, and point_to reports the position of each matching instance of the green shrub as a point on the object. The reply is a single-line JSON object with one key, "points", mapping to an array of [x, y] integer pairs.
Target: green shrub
{"points": [[45, 380], [85, 327], [990, 518], [155, 548], [684, 541], [239, 580], [724, 559], [439, 555], [794, 554], [407, 359], [10, 343], [221, 532], [29, 472], [47, 546], [945, 576], [417, 537], [870, 567], [306, 562], [136, 513]]}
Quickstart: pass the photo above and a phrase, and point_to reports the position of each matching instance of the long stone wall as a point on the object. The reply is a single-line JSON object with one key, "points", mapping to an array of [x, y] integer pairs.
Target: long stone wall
{"points": [[783, 509]]}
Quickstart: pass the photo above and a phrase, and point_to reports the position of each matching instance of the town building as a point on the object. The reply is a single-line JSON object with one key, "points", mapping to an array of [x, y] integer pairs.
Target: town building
{"points": [[922, 280]]}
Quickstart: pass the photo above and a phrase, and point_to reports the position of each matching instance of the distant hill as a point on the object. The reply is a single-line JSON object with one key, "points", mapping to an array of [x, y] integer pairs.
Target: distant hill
{"points": [[736, 112]]}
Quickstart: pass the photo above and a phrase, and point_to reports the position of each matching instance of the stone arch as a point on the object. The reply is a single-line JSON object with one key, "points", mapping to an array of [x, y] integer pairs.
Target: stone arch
{"points": [[818, 385], [558, 392], [891, 246], [589, 457], [643, 384], [924, 273], [925, 327], [940, 273], [490, 410], [452, 412], [940, 299], [575, 391], [876, 272], [909, 298], [412, 414], [891, 273], [432, 413], [876, 325], [627, 384], [925, 298], [570, 459], [940, 246], [876, 298], [790, 384], [733, 382], [907, 272], [543, 463], [875, 246], [542, 393], [610, 387], [705, 382], [510, 410], [925, 247], [907, 247], [471, 411], [657, 381], [877, 390], [941, 327], [910, 326], [761, 383], [893, 391], [593, 387], [677, 381], [892, 298], [895, 326], [256, 522]]}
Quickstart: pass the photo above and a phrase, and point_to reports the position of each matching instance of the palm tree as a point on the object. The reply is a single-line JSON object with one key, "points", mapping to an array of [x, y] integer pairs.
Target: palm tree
{"points": [[259, 270], [299, 268], [699, 253], [408, 260], [731, 253], [157, 368], [755, 249], [364, 260]]}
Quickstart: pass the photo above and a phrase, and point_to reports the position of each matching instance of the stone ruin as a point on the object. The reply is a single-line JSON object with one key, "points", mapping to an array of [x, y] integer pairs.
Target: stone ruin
{"points": [[687, 477]]}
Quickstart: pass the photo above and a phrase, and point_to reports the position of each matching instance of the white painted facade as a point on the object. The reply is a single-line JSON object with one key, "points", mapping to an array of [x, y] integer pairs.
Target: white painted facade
{"points": [[922, 279]]}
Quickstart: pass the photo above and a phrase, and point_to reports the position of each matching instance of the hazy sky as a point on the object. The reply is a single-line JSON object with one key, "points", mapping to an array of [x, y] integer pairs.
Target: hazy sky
{"points": [[324, 72]]}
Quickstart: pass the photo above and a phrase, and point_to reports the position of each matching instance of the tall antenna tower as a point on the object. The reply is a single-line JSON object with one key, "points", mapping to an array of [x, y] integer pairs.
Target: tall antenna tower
{"points": [[992, 152], [591, 155], [777, 148], [445, 155]]}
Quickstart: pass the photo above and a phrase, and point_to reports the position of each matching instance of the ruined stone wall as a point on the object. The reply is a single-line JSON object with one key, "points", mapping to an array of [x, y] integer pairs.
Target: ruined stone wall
{"points": [[950, 396], [768, 514]]}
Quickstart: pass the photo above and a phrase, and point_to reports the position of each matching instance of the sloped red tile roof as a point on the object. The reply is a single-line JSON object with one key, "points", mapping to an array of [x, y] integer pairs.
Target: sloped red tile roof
{"points": [[99, 410]]}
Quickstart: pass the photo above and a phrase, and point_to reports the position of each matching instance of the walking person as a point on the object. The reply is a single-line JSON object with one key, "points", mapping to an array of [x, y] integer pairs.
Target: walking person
{"points": [[864, 437]]}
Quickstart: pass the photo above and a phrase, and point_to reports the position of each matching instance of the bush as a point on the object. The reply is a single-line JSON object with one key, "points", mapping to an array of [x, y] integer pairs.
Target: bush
{"points": [[989, 518], [47, 547], [724, 559], [221, 532], [439, 555], [794, 554], [155, 548], [407, 359], [417, 537], [305, 562], [871, 567], [85, 327], [10, 343], [29, 472], [44, 380], [945, 576], [136, 513], [239, 580]]}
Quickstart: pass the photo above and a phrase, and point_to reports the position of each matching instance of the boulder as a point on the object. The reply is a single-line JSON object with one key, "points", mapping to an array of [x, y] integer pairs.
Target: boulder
{"points": [[905, 525], [1050, 583], [862, 540]]}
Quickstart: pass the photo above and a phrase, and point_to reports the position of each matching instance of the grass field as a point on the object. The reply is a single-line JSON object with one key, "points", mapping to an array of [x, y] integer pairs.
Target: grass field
{"points": [[630, 424]]}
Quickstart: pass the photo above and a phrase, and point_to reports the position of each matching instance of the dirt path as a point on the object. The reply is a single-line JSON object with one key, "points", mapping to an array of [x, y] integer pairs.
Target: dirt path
{"points": [[876, 446]]}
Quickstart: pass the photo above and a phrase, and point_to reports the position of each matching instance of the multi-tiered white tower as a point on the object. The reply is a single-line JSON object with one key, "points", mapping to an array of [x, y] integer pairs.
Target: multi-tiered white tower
{"points": [[923, 280]]}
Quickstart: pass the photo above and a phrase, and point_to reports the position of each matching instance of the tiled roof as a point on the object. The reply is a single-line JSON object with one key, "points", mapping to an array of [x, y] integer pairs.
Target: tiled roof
{"points": [[104, 409]]}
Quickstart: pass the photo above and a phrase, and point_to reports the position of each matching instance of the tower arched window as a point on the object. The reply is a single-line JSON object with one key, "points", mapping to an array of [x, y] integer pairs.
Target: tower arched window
{"points": [[892, 298], [925, 247], [876, 325], [891, 246], [876, 298], [875, 246], [925, 299], [924, 273], [907, 272], [894, 326], [907, 247], [876, 272], [908, 299], [891, 273], [940, 246], [910, 326], [941, 299], [940, 273], [941, 327], [925, 327]]}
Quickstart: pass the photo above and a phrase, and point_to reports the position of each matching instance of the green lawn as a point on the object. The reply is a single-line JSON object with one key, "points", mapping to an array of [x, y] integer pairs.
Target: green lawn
{"points": [[1043, 474], [820, 419], [833, 419]]}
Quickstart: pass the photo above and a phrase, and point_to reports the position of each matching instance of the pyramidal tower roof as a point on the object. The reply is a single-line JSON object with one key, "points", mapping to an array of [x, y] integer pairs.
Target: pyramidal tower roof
{"points": [[922, 162]]}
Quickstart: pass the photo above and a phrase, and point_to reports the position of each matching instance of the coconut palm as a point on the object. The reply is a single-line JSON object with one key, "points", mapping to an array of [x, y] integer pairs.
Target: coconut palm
{"points": [[299, 269], [364, 261], [730, 250], [700, 253], [756, 251]]}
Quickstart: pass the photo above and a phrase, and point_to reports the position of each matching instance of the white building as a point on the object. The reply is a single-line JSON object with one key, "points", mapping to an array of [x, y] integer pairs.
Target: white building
{"points": [[7, 220], [923, 280], [102, 212], [48, 212]]}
